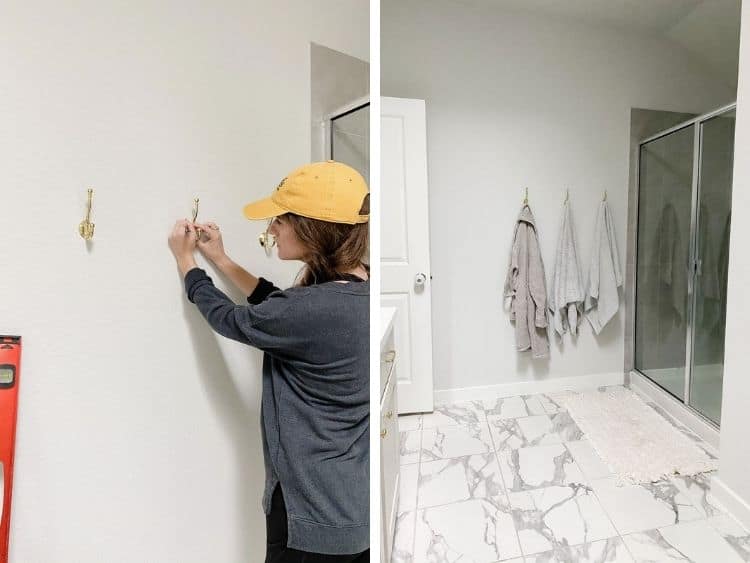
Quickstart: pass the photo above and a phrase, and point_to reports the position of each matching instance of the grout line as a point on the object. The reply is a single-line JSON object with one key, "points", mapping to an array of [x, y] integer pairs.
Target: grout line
{"points": [[416, 508], [599, 502], [658, 546], [492, 453], [582, 544], [658, 528], [583, 473], [505, 490], [413, 535], [488, 498], [419, 474], [627, 548], [419, 451]]}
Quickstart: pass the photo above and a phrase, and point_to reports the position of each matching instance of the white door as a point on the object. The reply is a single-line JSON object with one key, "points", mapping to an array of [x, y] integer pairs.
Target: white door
{"points": [[405, 247]]}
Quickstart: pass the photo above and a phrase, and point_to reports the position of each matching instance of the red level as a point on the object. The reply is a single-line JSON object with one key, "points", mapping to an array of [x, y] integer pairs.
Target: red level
{"points": [[10, 371]]}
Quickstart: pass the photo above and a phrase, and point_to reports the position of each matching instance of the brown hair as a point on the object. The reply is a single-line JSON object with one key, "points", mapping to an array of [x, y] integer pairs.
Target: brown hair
{"points": [[333, 248]]}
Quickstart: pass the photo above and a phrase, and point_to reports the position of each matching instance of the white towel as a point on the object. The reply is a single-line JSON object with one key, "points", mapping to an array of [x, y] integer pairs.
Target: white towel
{"points": [[566, 295], [602, 296]]}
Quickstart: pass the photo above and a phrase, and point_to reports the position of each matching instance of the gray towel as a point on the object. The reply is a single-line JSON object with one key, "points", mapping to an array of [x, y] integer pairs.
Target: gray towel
{"points": [[602, 296], [566, 295]]}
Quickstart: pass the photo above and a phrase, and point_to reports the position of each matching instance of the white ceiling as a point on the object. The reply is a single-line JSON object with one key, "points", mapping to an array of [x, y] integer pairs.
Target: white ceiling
{"points": [[708, 29]]}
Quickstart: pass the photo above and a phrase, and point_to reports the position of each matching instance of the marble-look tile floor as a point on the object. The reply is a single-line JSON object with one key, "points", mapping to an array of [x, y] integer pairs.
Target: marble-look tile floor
{"points": [[514, 480]]}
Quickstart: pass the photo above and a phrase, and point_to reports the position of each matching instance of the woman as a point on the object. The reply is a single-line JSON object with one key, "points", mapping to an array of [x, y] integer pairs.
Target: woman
{"points": [[315, 338]]}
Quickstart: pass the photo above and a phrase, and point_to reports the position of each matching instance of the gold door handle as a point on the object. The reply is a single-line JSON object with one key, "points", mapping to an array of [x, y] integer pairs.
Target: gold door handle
{"points": [[383, 432]]}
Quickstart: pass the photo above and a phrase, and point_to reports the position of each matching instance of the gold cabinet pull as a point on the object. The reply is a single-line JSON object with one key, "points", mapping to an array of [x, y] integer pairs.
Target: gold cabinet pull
{"points": [[383, 432], [390, 355]]}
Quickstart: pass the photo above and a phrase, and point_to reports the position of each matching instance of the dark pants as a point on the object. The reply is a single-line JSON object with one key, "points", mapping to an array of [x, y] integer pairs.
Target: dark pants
{"points": [[276, 538]]}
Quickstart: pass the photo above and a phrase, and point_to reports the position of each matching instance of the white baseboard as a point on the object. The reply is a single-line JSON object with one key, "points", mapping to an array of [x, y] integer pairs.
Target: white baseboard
{"points": [[676, 409], [726, 498], [574, 383]]}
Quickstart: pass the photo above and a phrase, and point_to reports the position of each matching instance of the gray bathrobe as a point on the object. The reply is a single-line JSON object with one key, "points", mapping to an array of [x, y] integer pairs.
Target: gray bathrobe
{"points": [[524, 286]]}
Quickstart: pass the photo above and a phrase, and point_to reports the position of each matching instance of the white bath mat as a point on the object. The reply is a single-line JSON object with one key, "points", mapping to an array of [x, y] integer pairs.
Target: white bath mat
{"points": [[632, 438]]}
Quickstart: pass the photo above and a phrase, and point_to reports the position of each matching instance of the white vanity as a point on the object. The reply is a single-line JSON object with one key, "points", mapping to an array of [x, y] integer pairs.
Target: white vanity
{"points": [[389, 435]]}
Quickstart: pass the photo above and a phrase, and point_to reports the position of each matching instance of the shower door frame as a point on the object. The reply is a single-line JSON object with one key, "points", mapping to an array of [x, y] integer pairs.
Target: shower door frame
{"points": [[693, 263], [327, 122]]}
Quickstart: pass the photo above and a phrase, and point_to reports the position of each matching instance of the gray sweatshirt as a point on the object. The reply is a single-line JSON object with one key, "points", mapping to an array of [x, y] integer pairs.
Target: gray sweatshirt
{"points": [[316, 403]]}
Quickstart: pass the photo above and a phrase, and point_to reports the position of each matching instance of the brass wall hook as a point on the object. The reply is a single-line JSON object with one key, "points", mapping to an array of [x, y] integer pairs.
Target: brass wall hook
{"points": [[526, 196], [195, 215], [195, 208], [86, 227]]}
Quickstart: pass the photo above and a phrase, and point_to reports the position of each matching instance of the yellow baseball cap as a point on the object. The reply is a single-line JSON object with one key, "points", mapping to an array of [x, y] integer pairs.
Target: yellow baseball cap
{"points": [[329, 191]]}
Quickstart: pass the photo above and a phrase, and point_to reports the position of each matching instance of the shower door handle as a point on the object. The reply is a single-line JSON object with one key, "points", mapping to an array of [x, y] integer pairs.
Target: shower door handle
{"points": [[695, 267]]}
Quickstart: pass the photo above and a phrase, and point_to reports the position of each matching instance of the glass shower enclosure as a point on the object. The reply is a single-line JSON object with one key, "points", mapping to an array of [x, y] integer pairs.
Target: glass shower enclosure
{"points": [[347, 136], [684, 210]]}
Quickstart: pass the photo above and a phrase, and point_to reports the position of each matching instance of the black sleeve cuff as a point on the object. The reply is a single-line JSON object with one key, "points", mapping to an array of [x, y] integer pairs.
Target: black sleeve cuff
{"points": [[193, 280], [261, 291]]}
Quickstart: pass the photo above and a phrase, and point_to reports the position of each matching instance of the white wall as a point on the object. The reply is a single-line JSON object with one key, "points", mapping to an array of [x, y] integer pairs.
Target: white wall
{"points": [[138, 432], [732, 486], [513, 101]]}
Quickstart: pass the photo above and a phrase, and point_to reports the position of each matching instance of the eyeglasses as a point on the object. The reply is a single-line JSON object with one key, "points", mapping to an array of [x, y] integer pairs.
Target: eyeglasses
{"points": [[266, 239]]}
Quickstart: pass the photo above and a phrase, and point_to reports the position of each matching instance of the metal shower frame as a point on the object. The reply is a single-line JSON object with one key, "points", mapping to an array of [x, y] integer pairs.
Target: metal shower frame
{"points": [[328, 120], [694, 261]]}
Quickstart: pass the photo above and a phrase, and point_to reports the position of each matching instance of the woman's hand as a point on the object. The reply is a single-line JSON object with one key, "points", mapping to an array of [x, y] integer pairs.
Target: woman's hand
{"points": [[210, 242], [182, 243]]}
